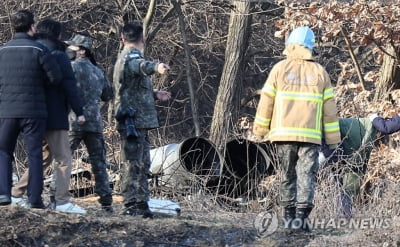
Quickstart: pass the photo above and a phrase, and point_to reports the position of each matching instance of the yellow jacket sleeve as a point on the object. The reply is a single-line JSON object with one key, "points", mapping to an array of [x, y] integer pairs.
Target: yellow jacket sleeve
{"points": [[265, 106], [330, 119]]}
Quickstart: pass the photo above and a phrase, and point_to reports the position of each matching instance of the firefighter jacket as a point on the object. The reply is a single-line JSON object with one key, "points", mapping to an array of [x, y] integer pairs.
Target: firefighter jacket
{"points": [[297, 101]]}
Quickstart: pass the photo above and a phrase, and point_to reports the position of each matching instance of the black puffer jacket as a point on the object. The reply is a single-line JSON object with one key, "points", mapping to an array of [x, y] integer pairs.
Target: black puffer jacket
{"points": [[25, 67], [60, 98]]}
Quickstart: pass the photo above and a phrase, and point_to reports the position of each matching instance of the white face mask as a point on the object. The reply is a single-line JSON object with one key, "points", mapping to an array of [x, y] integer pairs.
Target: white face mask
{"points": [[71, 53]]}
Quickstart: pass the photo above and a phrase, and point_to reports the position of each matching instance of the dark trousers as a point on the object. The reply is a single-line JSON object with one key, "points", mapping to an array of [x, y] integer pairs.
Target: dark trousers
{"points": [[33, 131], [94, 143]]}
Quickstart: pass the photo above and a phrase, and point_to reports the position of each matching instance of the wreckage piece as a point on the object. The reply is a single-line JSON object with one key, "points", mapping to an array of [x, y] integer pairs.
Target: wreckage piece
{"points": [[82, 182], [246, 163], [181, 165], [164, 207]]}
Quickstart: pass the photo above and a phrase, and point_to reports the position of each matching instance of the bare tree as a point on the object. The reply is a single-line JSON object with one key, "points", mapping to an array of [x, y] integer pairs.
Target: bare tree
{"points": [[227, 104], [149, 17], [193, 100], [390, 72]]}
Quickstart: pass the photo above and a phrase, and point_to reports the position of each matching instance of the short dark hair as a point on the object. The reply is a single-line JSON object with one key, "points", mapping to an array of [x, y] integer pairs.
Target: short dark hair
{"points": [[89, 55], [49, 27], [22, 21], [132, 32]]}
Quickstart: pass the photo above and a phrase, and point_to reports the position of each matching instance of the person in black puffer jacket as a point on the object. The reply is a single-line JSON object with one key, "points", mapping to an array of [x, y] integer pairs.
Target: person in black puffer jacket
{"points": [[26, 66], [59, 99]]}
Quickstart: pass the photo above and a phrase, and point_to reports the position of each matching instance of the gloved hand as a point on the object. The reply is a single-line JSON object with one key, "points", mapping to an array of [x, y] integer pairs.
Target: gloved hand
{"points": [[321, 158], [333, 146], [259, 133], [81, 119], [258, 138], [372, 116]]}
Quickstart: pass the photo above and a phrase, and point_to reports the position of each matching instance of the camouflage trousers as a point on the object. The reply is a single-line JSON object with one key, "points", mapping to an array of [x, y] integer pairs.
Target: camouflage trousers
{"points": [[136, 167], [94, 143], [299, 164], [351, 183]]}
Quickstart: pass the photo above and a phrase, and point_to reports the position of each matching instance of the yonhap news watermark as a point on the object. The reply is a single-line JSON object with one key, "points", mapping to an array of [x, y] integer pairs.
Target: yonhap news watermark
{"points": [[266, 223]]}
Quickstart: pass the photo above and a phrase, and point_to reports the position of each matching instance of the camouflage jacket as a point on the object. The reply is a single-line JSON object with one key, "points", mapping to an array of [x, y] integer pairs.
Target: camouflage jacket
{"points": [[93, 87], [134, 88]]}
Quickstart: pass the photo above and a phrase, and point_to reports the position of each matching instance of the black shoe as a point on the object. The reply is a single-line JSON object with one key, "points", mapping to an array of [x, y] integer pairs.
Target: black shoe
{"points": [[144, 210], [146, 214], [5, 200], [140, 208], [36, 205], [289, 214], [130, 209]]}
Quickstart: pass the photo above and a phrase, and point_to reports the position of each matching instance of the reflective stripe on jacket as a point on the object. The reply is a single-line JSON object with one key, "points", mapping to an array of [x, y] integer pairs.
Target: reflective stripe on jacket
{"points": [[297, 101]]}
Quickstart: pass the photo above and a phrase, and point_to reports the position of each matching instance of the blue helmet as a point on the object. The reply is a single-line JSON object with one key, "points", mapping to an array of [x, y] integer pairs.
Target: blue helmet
{"points": [[302, 36]]}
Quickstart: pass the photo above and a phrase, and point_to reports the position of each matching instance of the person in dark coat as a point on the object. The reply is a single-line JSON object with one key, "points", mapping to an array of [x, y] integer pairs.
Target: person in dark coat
{"points": [[26, 66], [59, 100]]}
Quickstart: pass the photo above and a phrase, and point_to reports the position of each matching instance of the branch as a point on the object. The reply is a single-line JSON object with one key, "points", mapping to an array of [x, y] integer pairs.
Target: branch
{"points": [[136, 9], [383, 50], [193, 101], [121, 6], [353, 57], [149, 17], [153, 33]]}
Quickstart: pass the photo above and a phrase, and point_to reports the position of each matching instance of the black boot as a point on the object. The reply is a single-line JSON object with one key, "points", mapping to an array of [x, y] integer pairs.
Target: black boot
{"points": [[301, 223], [144, 210], [289, 214], [130, 209], [139, 208], [106, 201], [346, 206]]}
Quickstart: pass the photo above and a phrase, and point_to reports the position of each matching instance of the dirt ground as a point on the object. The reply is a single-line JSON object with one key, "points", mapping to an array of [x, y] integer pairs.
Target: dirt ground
{"points": [[211, 225], [34, 227]]}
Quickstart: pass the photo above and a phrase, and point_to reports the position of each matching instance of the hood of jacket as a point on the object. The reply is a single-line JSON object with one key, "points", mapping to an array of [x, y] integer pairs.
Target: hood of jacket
{"points": [[295, 51]]}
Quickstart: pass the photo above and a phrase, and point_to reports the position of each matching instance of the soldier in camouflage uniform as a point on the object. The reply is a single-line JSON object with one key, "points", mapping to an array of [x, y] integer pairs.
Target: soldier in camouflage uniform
{"points": [[136, 114], [93, 87]]}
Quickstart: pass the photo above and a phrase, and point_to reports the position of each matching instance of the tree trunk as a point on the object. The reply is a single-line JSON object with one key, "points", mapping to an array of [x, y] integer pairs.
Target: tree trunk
{"points": [[227, 105], [353, 57], [149, 17], [389, 73]]}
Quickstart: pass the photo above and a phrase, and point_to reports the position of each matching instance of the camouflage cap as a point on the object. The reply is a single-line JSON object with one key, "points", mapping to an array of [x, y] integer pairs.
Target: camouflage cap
{"points": [[80, 40]]}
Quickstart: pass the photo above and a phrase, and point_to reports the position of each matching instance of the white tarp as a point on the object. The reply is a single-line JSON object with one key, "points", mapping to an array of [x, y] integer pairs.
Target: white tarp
{"points": [[162, 206]]}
